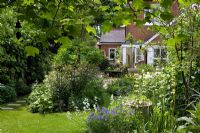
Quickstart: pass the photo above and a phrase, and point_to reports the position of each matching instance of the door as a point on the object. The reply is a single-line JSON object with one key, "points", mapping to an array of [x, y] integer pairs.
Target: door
{"points": [[150, 56]]}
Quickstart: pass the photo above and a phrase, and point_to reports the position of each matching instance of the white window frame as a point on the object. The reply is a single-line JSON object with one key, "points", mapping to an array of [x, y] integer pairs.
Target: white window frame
{"points": [[160, 53], [141, 55], [110, 53]]}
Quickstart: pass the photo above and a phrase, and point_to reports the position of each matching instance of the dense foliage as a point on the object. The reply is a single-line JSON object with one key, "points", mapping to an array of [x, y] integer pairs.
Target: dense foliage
{"points": [[74, 51], [182, 39], [121, 87], [68, 88], [7, 94], [19, 65], [40, 100], [152, 101], [116, 120]]}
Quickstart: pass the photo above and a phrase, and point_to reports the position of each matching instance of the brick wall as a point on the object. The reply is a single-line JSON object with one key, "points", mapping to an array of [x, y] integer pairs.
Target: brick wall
{"points": [[105, 48]]}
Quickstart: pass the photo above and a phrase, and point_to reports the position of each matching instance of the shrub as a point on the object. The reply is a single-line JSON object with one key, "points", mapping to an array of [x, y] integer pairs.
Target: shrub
{"points": [[93, 55], [121, 87], [145, 68], [14, 63], [40, 100], [7, 94], [157, 86], [192, 123], [72, 82], [120, 119], [161, 121], [70, 86], [195, 126], [94, 92], [21, 88], [104, 64], [128, 115], [58, 82], [75, 53]]}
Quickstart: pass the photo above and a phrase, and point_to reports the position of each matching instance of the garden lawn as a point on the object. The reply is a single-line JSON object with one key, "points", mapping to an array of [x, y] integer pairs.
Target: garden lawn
{"points": [[22, 121]]}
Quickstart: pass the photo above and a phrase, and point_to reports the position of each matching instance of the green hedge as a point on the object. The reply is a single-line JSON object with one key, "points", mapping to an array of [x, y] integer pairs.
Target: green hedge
{"points": [[7, 94]]}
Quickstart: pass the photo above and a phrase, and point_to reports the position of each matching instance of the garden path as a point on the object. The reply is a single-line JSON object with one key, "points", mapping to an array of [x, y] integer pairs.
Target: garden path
{"points": [[14, 105]]}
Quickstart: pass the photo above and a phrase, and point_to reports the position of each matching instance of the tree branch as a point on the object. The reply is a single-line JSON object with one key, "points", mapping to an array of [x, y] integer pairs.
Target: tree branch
{"points": [[58, 7], [132, 9]]}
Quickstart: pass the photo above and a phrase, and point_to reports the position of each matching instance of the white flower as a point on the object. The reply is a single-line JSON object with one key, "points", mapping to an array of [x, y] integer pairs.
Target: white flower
{"points": [[69, 115], [112, 98], [86, 105], [95, 107]]}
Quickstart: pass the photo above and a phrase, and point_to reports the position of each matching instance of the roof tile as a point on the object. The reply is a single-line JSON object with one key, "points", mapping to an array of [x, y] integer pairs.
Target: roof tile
{"points": [[116, 35]]}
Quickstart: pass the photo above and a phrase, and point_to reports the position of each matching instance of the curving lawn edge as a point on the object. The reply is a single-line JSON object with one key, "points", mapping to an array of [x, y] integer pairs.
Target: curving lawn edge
{"points": [[22, 121]]}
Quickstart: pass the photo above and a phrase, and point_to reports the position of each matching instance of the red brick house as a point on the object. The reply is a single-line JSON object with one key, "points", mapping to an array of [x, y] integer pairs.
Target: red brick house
{"points": [[109, 42], [132, 55]]}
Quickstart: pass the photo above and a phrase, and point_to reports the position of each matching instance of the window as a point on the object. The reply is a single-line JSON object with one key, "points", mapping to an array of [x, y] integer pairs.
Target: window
{"points": [[112, 53], [160, 55], [139, 56]]}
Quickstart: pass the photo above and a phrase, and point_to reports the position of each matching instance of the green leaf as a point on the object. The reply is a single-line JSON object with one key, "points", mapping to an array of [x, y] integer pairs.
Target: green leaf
{"points": [[1, 50], [107, 26], [117, 8], [181, 37], [178, 38], [104, 8], [184, 2], [31, 51], [166, 16], [166, 3], [118, 2], [91, 29], [187, 119], [28, 2], [170, 42], [71, 8], [64, 40], [126, 22], [138, 4], [97, 1]]}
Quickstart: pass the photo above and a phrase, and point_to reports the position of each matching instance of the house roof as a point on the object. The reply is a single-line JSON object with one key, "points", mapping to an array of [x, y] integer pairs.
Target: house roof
{"points": [[151, 39], [114, 36]]}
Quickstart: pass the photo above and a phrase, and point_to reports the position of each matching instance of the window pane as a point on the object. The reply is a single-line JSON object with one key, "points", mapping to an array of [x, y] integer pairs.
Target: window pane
{"points": [[139, 55], [112, 53], [163, 53], [156, 53]]}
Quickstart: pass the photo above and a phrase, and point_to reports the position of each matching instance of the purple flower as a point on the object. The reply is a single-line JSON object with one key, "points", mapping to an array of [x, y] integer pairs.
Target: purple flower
{"points": [[91, 115], [107, 111], [98, 109], [116, 109], [103, 109], [100, 117], [113, 112]]}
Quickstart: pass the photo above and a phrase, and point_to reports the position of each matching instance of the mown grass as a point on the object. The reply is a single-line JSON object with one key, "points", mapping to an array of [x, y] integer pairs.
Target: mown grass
{"points": [[22, 121]]}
